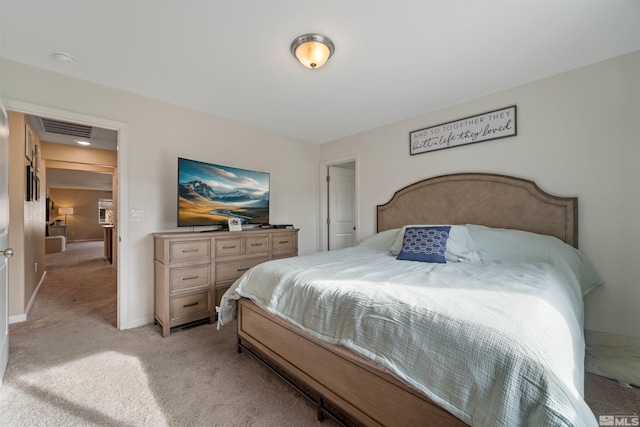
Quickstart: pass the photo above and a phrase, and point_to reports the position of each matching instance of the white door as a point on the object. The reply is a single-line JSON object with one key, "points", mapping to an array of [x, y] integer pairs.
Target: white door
{"points": [[342, 212], [5, 252]]}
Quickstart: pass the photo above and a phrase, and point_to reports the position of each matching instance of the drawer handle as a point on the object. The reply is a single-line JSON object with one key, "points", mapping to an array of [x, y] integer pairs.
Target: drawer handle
{"points": [[257, 244], [186, 251], [190, 305], [228, 247], [190, 278], [283, 241], [243, 269]]}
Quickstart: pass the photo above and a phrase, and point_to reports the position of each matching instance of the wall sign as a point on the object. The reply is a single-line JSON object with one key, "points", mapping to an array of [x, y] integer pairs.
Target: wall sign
{"points": [[482, 127]]}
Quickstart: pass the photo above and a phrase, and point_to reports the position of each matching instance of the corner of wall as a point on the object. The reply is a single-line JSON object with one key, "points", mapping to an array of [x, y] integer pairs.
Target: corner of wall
{"points": [[26, 218]]}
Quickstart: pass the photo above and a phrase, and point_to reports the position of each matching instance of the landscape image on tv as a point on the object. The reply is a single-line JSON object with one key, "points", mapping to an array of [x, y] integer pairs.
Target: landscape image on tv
{"points": [[210, 194]]}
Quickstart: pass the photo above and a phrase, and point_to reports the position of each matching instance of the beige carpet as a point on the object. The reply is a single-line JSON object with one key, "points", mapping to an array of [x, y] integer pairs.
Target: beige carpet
{"points": [[70, 366]]}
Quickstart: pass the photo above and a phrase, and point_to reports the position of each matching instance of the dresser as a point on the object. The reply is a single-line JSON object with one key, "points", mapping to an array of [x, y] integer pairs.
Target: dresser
{"points": [[193, 270]]}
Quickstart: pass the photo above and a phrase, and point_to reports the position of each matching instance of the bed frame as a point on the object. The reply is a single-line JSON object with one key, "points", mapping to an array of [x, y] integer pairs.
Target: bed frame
{"points": [[345, 386]]}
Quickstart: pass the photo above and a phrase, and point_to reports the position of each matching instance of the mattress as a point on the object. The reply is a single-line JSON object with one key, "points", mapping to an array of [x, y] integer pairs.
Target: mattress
{"points": [[492, 342]]}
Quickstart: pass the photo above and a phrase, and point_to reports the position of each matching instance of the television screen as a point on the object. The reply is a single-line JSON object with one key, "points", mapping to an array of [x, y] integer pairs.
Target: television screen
{"points": [[210, 194]]}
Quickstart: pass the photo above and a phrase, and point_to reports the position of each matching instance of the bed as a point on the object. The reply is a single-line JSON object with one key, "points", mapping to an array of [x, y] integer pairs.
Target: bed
{"points": [[479, 338]]}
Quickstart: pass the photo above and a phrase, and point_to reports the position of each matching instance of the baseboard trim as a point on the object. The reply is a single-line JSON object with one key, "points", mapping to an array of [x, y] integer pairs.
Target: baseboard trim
{"points": [[23, 317], [137, 323], [17, 319], [613, 356], [32, 300]]}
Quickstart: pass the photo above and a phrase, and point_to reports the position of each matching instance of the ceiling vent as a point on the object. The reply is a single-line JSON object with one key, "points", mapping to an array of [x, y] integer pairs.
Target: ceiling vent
{"points": [[65, 128]]}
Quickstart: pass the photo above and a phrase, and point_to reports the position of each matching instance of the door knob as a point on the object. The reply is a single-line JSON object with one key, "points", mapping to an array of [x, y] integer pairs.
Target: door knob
{"points": [[7, 252]]}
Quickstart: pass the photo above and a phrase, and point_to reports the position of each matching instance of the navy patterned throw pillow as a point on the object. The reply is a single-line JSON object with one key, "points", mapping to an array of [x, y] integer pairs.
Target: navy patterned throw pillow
{"points": [[425, 244]]}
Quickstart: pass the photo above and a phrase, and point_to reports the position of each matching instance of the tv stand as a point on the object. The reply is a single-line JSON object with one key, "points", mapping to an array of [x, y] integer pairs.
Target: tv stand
{"points": [[193, 270]]}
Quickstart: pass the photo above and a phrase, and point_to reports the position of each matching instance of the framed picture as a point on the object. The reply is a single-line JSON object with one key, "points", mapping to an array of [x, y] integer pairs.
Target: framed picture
{"points": [[28, 143], [235, 224], [29, 183], [479, 128], [36, 159], [36, 187]]}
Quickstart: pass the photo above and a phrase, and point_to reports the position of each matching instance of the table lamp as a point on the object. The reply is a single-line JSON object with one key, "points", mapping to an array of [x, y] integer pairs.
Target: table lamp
{"points": [[65, 212]]}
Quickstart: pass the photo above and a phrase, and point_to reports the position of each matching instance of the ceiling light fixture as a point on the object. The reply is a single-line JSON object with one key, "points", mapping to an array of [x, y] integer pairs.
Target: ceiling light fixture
{"points": [[65, 58], [83, 142], [312, 50]]}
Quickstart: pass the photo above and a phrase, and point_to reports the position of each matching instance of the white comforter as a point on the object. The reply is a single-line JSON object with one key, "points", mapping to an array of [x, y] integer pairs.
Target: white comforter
{"points": [[498, 344]]}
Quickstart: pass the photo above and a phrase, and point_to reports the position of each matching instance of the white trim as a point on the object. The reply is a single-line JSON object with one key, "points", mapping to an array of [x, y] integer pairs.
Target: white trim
{"points": [[56, 113], [123, 164], [32, 300], [122, 240], [324, 167], [4, 242], [17, 319], [140, 322]]}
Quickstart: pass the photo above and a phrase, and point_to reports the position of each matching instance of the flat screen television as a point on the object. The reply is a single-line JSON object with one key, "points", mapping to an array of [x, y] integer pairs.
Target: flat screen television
{"points": [[210, 194]]}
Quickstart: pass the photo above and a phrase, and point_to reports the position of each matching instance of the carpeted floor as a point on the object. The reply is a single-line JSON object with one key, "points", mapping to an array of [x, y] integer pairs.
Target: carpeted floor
{"points": [[70, 366]]}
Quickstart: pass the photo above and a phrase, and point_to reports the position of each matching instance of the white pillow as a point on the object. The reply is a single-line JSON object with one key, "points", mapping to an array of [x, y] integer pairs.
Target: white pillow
{"points": [[506, 245], [381, 241], [460, 245]]}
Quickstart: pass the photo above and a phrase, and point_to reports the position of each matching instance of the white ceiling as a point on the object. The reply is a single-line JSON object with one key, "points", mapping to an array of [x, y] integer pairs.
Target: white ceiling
{"points": [[103, 139], [394, 59]]}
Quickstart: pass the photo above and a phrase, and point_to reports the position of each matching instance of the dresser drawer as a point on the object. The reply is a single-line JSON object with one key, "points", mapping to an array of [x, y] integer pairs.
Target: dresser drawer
{"points": [[230, 270], [281, 255], [283, 242], [188, 305], [256, 244], [228, 246], [189, 249], [192, 270], [188, 277]]}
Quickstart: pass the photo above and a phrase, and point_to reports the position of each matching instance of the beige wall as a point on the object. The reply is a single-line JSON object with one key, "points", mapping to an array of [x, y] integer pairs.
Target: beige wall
{"points": [[83, 224], [27, 221], [157, 134], [578, 135], [63, 156]]}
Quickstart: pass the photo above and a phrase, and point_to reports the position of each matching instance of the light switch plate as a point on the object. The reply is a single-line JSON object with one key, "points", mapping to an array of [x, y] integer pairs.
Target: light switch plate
{"points": [[137, 215]]}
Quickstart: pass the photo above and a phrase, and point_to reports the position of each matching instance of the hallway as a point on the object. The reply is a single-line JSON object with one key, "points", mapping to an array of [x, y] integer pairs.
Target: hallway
{"points": [[79, 282]]}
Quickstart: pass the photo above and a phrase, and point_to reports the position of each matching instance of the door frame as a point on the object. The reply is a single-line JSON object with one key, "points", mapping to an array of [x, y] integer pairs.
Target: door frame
{"points": [[324, 198], [121, 240], [4, 259]]}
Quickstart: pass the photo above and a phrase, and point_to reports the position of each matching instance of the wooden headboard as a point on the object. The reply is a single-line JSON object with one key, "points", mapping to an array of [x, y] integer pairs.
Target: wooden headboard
{"points": [[492, 200]]}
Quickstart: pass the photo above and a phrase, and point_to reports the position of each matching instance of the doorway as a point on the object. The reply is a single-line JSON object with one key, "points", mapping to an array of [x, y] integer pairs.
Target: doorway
{"points": [[120, 233], [339, 204]]}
